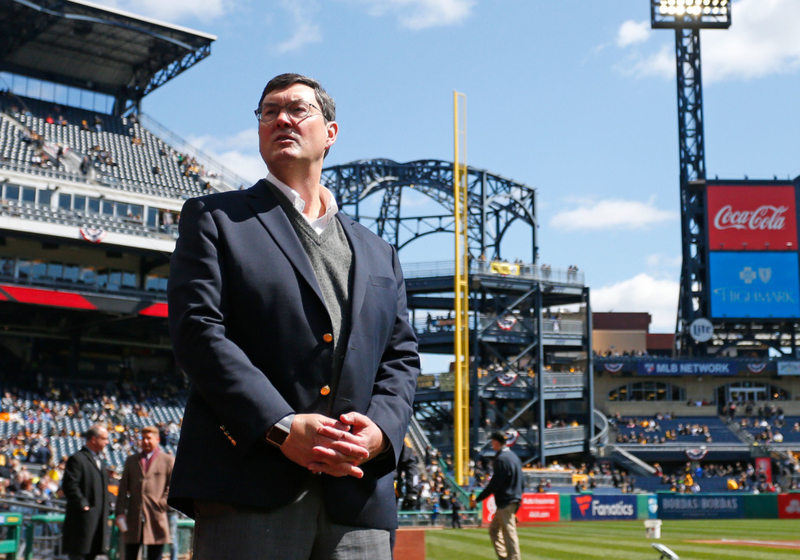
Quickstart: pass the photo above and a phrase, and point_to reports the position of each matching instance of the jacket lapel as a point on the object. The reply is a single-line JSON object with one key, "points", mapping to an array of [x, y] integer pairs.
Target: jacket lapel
{"points": [[360, 265], [274, 219], [90, 458]]}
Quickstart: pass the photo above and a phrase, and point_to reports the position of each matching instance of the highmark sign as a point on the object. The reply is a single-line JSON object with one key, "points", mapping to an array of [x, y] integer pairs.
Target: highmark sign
{"points": [[686, 367]]}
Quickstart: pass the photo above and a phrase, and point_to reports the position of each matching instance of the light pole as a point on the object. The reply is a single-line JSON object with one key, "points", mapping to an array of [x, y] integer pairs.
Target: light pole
{"points": [[687, 18]]}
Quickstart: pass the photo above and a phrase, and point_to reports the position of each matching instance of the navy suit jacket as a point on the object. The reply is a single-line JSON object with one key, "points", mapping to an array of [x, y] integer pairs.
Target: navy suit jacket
{"points": [[247, 320]]}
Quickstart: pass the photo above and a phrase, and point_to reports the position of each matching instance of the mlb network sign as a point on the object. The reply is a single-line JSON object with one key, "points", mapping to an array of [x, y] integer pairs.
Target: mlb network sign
{"points": [[687, 367], [597, 508]]}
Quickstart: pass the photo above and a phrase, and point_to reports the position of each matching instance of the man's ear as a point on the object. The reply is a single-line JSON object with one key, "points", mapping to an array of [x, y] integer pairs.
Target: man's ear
{"points": [[333, 132]]}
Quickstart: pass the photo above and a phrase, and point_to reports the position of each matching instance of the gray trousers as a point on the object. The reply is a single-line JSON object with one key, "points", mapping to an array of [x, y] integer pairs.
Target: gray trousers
{"points": [[301, 530]]}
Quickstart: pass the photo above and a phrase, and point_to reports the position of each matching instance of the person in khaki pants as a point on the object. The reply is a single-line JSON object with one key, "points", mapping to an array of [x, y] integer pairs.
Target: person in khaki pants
{"points": [[506, 486], [142, 501]]}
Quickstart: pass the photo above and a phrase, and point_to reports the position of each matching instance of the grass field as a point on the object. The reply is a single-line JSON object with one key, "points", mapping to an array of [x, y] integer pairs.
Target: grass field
{"points": [[625, 540]]}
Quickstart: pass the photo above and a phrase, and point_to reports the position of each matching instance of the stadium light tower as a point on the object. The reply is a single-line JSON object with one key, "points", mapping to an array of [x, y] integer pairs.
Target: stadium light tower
{"points": [[687, 18]]}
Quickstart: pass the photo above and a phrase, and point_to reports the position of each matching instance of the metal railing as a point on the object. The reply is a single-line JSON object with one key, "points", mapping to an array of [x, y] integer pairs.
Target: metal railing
{"points": [[600, 420], [471, 517], [43, 538], [435, 269], [557, 381], [230, 179], [500, 325]]}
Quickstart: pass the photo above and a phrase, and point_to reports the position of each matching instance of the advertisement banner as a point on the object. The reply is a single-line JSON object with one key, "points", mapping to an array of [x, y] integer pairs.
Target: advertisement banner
{"points": [[539, 507], [764, 466], [789, 506], [752, 218], [687, 367], [687, 506], [788, 368], [599, 508], [754, 285], [534, 507]]}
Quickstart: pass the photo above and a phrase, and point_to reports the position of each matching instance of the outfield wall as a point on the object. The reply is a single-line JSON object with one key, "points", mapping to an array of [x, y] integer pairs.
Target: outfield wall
{"points": [[550, 507]]}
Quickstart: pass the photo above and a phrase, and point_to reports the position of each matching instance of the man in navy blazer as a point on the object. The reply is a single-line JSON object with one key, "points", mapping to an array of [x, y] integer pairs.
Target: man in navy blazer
{"points": [[290, 319]]}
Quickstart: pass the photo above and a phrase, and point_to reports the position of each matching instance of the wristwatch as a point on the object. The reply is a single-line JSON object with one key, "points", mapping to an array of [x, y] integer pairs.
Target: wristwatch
{"points": [[278, 433]]}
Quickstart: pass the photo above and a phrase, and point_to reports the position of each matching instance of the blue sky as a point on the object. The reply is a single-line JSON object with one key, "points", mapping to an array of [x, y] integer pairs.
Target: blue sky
{"points": [[577, 99]]}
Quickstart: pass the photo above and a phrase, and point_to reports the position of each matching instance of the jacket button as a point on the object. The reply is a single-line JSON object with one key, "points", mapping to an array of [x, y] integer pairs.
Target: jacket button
{"points": [[327, 337], [325, 390]]}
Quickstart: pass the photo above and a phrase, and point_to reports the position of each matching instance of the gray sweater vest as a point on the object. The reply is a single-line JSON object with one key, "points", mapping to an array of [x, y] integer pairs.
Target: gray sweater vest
{"points": [[331, 258]]}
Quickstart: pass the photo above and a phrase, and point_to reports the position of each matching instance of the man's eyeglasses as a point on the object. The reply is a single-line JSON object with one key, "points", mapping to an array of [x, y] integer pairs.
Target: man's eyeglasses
{"points": [[296, 111]]}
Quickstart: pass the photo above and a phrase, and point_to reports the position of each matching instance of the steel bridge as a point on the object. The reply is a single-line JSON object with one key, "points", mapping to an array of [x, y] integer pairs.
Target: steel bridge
{"points": [[495, 202], [528, 368]]}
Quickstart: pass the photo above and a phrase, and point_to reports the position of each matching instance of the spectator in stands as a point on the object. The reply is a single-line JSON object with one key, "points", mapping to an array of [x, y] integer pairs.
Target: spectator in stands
{"points": [[292, 384], [85, 485], [506, 487], [142, 495]]}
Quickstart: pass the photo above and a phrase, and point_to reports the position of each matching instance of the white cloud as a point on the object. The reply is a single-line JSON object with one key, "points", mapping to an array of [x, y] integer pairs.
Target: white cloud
{"points": [[611, 214], [661, 64], [660, 260], [238, 153], [761, 41], [641, 293], [306, 31], [632, 32], [421, 14], [171, 10]]}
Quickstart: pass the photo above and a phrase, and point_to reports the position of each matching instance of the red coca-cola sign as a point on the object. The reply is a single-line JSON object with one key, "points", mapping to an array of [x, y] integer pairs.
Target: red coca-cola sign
{"points": [[752, 218]]}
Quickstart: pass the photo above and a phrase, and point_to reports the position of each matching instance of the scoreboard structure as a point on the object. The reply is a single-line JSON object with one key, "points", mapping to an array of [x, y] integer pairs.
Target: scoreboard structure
{"points": [[750, 278]]}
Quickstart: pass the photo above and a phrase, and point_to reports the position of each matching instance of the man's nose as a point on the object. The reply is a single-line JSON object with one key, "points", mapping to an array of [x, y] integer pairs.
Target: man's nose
{"points": [[283, 120]]}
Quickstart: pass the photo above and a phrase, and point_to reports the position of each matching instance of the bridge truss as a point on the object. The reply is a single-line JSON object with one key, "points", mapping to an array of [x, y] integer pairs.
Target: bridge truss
{"points": [[498, 209], [495, 203]]}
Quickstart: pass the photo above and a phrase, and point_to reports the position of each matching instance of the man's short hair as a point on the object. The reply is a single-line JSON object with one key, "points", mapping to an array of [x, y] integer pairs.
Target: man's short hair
{"points": [[326, 104], [93, 431], [499, 436], [150, 430]]}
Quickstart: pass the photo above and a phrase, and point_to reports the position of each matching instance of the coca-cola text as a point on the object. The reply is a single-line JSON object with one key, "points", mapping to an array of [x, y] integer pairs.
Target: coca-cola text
{"points": [[763, 217]]}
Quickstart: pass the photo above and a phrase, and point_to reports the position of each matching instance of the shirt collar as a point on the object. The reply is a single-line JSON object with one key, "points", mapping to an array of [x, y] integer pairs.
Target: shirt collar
{"points": [[331, 207]]}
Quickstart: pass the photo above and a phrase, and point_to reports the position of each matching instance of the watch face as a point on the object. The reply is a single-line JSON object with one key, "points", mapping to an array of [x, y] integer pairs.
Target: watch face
{"points": [[277, 435]]}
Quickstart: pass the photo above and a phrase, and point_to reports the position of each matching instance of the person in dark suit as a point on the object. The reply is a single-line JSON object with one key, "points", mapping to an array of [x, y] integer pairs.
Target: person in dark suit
{"points": [[85, 485], [290, 320]]}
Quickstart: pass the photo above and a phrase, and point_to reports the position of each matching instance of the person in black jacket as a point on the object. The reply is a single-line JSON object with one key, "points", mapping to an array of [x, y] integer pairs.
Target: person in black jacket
{"points": [[85, 485], [506, 486]]}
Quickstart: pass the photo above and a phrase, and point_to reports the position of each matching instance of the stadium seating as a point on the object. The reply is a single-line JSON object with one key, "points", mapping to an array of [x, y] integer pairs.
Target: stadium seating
{"points": [[718, 430], [64, 431], [132, 165]]}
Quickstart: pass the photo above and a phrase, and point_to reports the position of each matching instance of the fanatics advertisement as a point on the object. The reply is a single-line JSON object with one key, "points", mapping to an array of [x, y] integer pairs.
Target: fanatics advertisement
{"points": [[687, 367], [598, 508], [754, 285], [751, 218], [687, 506]]}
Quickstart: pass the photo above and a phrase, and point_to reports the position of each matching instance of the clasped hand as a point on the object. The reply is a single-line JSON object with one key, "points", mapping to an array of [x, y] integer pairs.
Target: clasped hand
{"points": [[334, 447]]}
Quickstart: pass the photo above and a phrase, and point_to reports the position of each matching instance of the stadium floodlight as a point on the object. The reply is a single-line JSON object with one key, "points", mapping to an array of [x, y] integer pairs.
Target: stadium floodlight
{"points": [[698, 14], [665, 552]]}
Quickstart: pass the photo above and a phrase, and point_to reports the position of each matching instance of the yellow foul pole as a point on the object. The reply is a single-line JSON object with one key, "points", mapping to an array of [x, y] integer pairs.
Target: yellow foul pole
{"points": [[461, 397]]}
